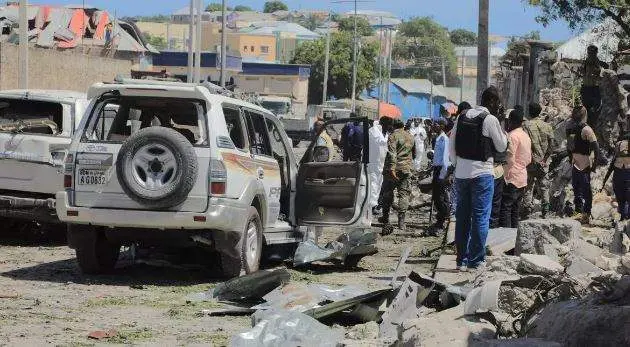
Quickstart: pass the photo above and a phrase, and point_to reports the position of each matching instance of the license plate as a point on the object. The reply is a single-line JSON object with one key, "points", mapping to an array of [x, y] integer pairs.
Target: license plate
{"points": [[89, 177]]}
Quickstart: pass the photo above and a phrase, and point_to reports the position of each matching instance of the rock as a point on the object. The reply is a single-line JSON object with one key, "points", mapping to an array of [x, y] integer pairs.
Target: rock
{"points": [[367, 331], [533, 234], [580, 266], [583, 323], [501, 240], [625, 263], [539, 265], [609, 262], [620, 240], [445, 328], [585, 250], [551, 252], [518, 343]]}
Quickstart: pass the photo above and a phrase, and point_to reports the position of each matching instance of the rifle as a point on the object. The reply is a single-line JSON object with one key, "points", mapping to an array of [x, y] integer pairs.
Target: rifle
{"points": [[611, 168]]}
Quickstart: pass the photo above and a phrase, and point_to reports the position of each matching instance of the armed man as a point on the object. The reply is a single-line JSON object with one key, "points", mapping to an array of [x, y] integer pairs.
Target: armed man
{"points": [[620, 168], [397, 170]]}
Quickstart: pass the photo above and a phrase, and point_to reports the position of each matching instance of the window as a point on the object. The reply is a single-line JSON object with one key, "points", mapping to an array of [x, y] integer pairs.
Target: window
{"points": [[118, 118], [252, 49], [245, 48], [31, 117], [257, 130], [235, 127], [264, 49]]}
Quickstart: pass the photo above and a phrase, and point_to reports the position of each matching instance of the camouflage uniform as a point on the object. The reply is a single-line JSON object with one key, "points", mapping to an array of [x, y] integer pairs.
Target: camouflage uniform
{"points": [[541, 134], [399, 159]]}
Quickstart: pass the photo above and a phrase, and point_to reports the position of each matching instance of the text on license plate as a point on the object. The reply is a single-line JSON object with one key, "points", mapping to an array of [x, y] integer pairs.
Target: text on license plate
{"points": [[91, 177]]}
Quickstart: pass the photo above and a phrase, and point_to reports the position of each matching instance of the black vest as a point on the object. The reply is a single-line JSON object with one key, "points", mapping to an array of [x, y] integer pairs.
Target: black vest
{"points": [[575, 142], [470, 142]]}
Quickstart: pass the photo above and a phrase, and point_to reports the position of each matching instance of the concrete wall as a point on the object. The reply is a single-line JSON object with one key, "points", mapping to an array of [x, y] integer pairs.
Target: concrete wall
{"points": [[52, 69]]}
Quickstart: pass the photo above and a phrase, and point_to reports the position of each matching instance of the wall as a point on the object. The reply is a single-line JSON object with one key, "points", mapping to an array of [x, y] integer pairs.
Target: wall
{"points": [[292, 86], [411, 104], [52, 69]]}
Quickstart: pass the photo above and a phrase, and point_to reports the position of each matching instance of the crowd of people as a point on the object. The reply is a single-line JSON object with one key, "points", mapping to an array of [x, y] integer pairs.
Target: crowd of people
{"points": [[488, 166]]}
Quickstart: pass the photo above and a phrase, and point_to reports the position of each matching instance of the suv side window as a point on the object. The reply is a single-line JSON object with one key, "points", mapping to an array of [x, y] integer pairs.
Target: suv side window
{"points": [[257, 130], [235, 127], [277, 144]]}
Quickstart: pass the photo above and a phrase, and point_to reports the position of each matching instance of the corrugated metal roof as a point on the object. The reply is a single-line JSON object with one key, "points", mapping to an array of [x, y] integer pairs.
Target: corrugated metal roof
{"points": [[284, 27], [602, 35]]}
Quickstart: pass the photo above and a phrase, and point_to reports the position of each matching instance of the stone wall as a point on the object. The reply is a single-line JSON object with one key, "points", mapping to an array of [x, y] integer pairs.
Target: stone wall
{"points": [[53, 69]]}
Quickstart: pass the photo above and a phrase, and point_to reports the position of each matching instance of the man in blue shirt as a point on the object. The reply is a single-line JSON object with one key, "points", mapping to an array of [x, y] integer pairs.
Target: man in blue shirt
{"points": [[441, 173]]}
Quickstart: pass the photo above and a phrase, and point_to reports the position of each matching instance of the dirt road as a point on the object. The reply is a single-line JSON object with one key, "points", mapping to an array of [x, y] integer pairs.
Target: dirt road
{"points": [[44, 299]]}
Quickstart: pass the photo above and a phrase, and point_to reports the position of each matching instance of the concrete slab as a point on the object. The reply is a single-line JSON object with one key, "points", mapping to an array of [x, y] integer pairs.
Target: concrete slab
{"points": [[539, 264], [580, 266], [501, 240]]}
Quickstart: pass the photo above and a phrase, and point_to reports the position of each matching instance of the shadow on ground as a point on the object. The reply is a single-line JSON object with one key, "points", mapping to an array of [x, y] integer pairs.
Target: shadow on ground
{"points": [[31, 234]]}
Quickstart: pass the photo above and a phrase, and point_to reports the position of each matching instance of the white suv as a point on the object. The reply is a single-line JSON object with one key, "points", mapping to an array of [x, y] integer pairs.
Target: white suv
{"points": [[36, 128], [176, 164]]}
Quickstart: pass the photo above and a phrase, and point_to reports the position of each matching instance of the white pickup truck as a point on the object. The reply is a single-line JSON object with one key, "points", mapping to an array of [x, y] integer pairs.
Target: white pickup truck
{"points": [[36, 128]]}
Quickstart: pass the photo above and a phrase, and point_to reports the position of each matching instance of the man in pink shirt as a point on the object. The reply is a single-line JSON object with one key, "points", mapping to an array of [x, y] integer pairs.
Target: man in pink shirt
{"points": [[518, 157]]}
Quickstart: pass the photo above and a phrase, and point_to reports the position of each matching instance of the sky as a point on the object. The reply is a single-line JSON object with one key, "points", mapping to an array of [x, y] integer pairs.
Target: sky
{"points": [[507, 17]]}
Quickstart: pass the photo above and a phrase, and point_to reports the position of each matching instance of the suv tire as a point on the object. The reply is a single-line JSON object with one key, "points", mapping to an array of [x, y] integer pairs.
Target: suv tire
{"points": [[251, 249], [164, 154], [95, 254]]}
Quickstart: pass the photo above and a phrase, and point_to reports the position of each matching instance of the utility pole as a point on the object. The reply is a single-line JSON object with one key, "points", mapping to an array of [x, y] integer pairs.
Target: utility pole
{"points": [[461, 86], [354, 59], [168, 35], [431, 96], [23, 49], [443, 73], [483, 47], [380, 69], [191, 35], [223, 44], [389, 65], [198, 42], [326, 62]]}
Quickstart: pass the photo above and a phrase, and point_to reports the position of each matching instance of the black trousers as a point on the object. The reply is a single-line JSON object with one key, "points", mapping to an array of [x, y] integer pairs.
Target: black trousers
{"points": [[510, 204], [495, 215], [592, 99], [441, 197]]}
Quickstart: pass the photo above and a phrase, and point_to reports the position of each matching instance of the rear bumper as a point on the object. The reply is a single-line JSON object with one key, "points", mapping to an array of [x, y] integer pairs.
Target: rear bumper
{"points": [[222, 214]]}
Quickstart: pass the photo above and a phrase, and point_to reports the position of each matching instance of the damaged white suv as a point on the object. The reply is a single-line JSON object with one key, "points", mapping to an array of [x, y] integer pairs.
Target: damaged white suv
{"points": [[158, 163], [36, 128]]}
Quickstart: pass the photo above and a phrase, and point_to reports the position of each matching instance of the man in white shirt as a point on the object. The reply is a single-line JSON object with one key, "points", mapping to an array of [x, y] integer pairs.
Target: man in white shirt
{"points": [[420, 135], [476, 137], [378, 149]]}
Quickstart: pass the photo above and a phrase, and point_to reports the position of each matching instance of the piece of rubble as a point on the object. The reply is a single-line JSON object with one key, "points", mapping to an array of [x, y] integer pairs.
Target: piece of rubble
{"points": [[620, 241], [405, 305], [349, 247], [102, 334], [286, 328], [585, 250], [625, 262], [501, 240], [445, 328], [533, 234], [367, 331], [608, 262], [593, 321], [539, 265], [580, 266], [252, 286]]}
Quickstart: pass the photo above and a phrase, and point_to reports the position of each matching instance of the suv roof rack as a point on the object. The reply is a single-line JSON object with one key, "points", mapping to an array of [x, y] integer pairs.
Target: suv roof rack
{"points": [[211, 87]]}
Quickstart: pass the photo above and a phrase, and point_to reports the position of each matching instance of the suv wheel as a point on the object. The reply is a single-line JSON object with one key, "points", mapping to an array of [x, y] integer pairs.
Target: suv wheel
{"points": [[95, 254], [251, 248]]}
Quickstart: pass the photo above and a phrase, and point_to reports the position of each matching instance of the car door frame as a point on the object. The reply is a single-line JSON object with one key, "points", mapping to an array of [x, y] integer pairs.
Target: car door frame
{"points": [[360, 219]]}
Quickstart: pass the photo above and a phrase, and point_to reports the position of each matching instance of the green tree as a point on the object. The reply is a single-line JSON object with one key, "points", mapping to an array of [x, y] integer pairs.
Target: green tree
{"points": [[463, 37], [421, 46], [158, 42], [216, 6], [580, 13], [363, 26], [340, 67], [273, 6], [310, 22], [242, 8]]}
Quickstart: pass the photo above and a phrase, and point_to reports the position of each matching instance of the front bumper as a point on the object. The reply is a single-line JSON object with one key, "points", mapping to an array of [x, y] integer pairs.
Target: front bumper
{"points": [[222, 214]]}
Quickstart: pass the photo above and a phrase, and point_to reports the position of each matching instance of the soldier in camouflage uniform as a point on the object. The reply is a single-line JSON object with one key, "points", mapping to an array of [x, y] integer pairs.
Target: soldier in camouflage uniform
{"points": [[541, 134], [396, 172]]}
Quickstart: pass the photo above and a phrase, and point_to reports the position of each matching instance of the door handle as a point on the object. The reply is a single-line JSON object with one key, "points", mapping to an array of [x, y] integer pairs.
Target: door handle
{"points": [[261, 173]]}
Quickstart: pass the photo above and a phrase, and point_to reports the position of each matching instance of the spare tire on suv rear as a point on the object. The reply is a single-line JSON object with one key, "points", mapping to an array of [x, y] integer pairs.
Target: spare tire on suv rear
{"points": [[157, 167]]}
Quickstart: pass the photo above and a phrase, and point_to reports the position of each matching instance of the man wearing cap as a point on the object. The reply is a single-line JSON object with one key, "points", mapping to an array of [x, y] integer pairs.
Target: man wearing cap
{"points": [[590, 92]]}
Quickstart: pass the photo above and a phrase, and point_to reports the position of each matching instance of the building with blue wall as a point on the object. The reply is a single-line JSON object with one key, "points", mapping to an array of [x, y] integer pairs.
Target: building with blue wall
{"points": [[413, 96]]}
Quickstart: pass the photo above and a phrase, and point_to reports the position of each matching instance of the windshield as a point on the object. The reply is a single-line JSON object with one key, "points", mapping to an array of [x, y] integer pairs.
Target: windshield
{"points": [[276, 107], [29, 116]]}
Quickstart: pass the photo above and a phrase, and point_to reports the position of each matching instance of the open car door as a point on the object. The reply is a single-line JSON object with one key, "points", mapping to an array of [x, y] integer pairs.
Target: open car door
{"points": [[329, 190]]}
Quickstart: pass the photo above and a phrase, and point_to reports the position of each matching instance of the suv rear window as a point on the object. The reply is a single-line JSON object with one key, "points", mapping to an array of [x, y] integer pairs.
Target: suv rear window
{"points": [[31, 117], [118, 118]]}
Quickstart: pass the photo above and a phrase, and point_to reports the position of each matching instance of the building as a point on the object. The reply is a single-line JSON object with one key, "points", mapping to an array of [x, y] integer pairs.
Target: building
{"points": [[604, 36], [175, 63], [468, 56], [377, 18], [234, 19], [418, 97], [288, 36]]}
